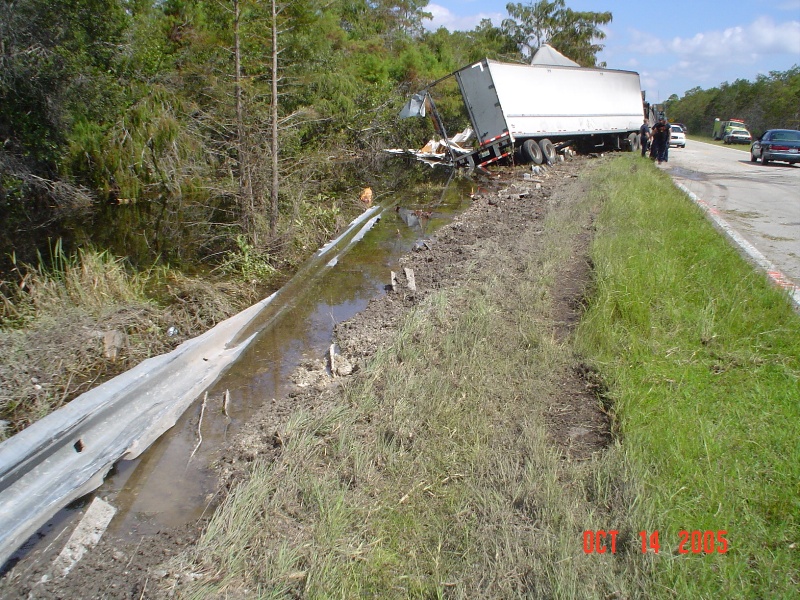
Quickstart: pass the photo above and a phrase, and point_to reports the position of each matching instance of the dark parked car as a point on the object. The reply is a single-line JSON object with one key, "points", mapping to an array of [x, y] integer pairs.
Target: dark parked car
{"points": [[777, 144]]}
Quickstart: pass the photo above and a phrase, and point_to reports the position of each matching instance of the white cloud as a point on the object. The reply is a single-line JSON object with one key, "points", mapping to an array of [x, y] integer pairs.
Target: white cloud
{"points": [[677, 64], [742, 44], [649, 83], [646, 43], [769, 38], [443, 17], [710, 57]]}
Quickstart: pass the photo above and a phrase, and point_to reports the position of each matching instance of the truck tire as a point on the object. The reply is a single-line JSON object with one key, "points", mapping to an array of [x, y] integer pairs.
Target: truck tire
{"points": [[548, 151], [634, 142], [531, 152]]}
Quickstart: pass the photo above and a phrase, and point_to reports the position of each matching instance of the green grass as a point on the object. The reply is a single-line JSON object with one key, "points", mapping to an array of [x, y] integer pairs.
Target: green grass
{"points": [[702, 359], [709, 140], [433, 475]]}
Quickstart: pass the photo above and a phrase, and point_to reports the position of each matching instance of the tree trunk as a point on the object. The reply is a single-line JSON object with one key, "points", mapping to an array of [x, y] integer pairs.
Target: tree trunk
{"points": [[273, 219], [245, 183]]}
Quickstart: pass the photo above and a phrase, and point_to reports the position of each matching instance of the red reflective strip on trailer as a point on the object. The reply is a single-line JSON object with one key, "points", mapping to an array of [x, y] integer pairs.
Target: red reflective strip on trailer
{"points": [[494, 139], [494, 159]]}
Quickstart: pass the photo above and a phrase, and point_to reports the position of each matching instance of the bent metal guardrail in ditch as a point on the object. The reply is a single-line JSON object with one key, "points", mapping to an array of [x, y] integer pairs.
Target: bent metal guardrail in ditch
{"points": [[68, 453]]}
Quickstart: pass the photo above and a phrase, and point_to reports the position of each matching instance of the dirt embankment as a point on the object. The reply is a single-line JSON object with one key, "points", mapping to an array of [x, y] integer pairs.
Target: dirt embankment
{"points": [[510, 202]]}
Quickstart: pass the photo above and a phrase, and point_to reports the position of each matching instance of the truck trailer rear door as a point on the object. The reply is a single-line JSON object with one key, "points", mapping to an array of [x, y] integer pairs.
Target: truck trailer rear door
{"points": [[483, 105]]}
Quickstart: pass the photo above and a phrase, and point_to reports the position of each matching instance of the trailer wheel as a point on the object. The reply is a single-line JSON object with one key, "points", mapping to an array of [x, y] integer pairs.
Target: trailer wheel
{"points": [[634, 142], [532, 152], [548, 151]]}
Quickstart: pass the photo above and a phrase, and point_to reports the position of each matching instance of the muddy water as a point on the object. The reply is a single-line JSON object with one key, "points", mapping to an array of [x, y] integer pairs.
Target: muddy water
{"points": [[165, 487]]}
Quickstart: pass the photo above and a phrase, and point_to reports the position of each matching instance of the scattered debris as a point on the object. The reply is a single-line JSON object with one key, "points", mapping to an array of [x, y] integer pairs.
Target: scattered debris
{"points": [[410, 281], [343, 367], [226, 399], [113, 342], [395, 284], [311, 373], [436, 151], [339, 365], [86, 535]]}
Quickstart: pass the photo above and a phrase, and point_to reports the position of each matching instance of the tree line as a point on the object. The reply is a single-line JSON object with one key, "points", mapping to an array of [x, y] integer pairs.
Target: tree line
{"points": [[772, 101], [237, 116], [251, 119]]}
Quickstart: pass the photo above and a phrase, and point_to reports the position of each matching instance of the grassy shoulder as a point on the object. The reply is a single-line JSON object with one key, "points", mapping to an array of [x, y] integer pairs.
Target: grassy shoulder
{"points": [[702, 360], [434, 474], [707, 139]]}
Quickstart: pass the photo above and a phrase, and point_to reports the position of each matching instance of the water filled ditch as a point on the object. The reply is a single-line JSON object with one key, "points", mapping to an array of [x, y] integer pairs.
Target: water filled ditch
{"points": [[169, 485]]}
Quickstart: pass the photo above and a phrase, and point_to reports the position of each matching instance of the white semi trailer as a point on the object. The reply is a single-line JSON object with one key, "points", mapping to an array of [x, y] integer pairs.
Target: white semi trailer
{"points": [[539, 109]]}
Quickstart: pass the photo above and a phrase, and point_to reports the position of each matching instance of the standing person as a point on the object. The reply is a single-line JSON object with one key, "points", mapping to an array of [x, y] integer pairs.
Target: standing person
{"points": [[644, 135], [655, 140], [660, 140], [663, 155]]}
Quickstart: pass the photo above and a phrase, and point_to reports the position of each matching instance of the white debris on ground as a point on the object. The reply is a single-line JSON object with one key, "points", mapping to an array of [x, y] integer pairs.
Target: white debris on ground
{"points": [[436, 150]]}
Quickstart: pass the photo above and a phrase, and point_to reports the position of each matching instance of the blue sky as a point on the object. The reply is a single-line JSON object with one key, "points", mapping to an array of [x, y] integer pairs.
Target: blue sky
{"points": [[674, 45]]}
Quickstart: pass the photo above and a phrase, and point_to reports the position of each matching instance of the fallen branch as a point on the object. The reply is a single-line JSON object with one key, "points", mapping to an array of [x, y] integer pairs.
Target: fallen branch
{"points": [[199, 427], [227, 397]]}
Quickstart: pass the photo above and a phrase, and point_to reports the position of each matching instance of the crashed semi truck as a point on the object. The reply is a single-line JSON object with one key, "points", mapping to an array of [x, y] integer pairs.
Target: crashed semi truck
{"points": [[538, 109]]}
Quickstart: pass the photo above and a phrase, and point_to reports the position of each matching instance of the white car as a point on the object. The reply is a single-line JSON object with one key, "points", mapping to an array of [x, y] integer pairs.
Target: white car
{"points": [[677, 137], [738, 136]]}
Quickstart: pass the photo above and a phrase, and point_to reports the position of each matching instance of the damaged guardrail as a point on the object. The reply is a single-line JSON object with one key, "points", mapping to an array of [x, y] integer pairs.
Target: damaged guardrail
{"points": [[68, 453]]}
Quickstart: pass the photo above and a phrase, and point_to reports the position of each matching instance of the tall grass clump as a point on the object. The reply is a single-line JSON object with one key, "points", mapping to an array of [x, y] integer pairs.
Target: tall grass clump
{"points": [[701, 356], [74, 320], [51, 334], [88, 279]]}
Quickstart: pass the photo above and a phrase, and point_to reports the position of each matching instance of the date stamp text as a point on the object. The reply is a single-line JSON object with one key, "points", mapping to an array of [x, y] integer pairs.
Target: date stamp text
{"points": [[600, 541]]}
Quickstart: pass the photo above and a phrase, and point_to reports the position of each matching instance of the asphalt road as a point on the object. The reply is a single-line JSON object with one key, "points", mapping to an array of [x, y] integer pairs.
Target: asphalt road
{"points": [[762, 203]]}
